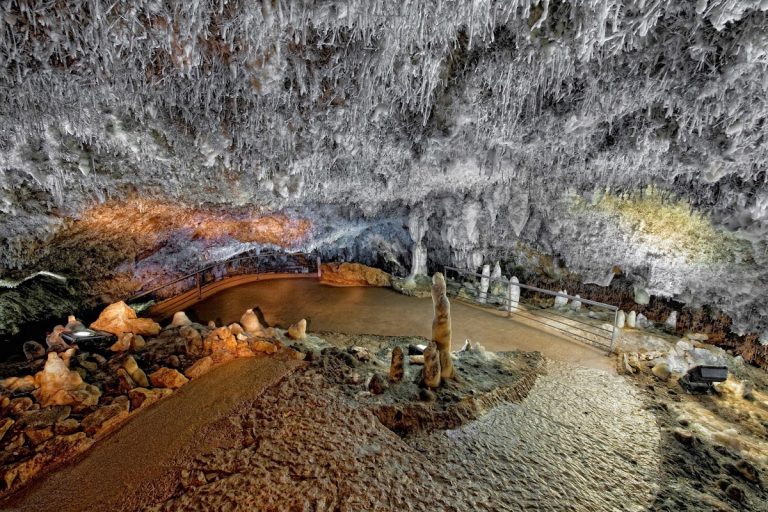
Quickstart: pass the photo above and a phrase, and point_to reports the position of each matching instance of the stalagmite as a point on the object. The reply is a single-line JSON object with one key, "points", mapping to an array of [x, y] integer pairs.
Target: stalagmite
{"points": [[417, 227], [396, 368], [632, 320], [482, 296], [576, 304], [251, 324], [180, 319], [671, 322], [431, 371], [561, 301], [621, 319], [513, 295], [441, 325], [298, 331]]}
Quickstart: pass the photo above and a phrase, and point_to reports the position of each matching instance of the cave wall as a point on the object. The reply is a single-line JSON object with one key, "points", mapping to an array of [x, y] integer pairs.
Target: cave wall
{"points": [[556, 126]]}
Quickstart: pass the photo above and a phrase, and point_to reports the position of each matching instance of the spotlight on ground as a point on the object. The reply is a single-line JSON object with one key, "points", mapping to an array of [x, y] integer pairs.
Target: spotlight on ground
{"points": [[90, 339], [701, 379]]}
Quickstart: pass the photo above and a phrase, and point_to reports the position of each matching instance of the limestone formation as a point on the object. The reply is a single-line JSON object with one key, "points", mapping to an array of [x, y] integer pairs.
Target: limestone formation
{"points": [[54, 341], [497, 285], [33, 350], [122, 344], [193, 341], [180, 319], [513, 295], [396, 367], [57, 385], [642, 322], [632, 320], [671, 322], [119, 318], [136, 373], [378, 384], [298, 331], [482, 296], [251, 324], [441, 325], [236, 329], [561, 301], [106, 418], [142, 397], [353, 274], [431, 371], [201, 367], [168, 378], [621, 319], [576, 304]]}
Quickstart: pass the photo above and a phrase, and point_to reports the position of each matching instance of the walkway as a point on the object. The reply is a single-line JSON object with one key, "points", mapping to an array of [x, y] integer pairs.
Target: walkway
{"points": [[382, 311]]}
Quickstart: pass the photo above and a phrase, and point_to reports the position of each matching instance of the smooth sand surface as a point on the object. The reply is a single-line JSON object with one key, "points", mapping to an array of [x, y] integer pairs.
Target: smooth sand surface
{"points": [[135, 465], [385, 312]]}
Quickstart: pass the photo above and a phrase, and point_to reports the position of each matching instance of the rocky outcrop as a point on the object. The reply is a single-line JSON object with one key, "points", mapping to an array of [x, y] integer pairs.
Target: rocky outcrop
{"points": [[119, 318], [353, 274]]}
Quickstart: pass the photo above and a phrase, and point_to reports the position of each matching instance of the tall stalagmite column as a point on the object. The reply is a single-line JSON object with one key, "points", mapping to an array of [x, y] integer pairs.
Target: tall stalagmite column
{"points": [[441, 325]]}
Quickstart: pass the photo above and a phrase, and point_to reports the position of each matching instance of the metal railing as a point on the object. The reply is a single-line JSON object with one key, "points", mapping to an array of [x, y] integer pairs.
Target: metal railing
{"points": [[539, 305], [250, 264]]}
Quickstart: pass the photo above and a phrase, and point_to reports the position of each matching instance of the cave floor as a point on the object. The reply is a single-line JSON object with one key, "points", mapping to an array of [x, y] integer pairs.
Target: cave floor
{"points": [[385, 312]]}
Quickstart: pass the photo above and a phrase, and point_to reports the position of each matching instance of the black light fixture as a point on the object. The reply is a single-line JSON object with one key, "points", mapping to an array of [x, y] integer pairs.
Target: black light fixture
{"points": [[89, 338], [701, 379]]}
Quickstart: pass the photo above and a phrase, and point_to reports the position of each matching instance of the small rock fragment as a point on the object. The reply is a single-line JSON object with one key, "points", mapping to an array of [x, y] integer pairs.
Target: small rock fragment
{"points": [[33, 350], [180, 319]]}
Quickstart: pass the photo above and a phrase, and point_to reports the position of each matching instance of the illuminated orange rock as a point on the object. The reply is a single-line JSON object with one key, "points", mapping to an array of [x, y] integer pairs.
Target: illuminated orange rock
{"points": [[104, 419], [264, 347], [119, 318], [142, 397], [58, 385], [168, 378], [353, 274], [201, 367]]}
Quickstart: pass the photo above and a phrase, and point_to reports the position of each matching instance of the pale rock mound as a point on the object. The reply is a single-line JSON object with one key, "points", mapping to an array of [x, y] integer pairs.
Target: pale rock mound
{"points": [[353, 274], [180, 319], [298, 331], [250, 323], [57, 385], [119, 318]]}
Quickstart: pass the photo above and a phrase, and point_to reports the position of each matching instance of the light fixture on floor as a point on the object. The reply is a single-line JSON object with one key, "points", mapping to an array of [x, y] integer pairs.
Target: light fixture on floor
{"points": [[701, 379], [89, 338]]}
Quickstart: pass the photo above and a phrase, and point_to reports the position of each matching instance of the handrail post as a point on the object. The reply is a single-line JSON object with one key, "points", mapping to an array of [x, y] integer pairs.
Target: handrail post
{"points": [[319, 268], [198, 283]]}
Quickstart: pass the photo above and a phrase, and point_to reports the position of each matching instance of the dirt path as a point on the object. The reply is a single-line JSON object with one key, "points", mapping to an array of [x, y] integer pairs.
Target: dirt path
{"points": [[136, 465]]}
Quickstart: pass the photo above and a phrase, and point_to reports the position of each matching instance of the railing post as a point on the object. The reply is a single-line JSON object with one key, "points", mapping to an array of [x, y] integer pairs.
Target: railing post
{"points": [[615, 332], [319, 268], [199, 284]]}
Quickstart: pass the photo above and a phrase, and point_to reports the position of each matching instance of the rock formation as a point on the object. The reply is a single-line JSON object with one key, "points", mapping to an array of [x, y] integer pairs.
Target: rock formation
{"points": [[298, 331], [441, 325], [251, 324], [671, 321], [430, 374], [482, 294], [58, 385], [632, 320], [168, 378], [180, 319], [353, 274], [576, 304], [561, 301], [119, 318], [397, 366], [33, 350], [621, 319], [513, 295]]}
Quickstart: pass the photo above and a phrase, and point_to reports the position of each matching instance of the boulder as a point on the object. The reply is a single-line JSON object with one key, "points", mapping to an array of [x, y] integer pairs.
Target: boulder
{"points": [[222, 342], [632, 320], [168, 378], [661, 371], [180, 319], [193, 341], [396, 367], [353, 274], [125, 382], [57, 385], [298, 331], [642, 322], [33, 350], [142, 397], [201, 367], [106, 418], [250, 323], [119, 318], [25, 384]]}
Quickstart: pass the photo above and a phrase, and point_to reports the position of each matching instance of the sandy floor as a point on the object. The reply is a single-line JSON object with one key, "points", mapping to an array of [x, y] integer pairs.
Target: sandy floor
{"points": [[138, 464], [385, 312], [587, 446]]}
